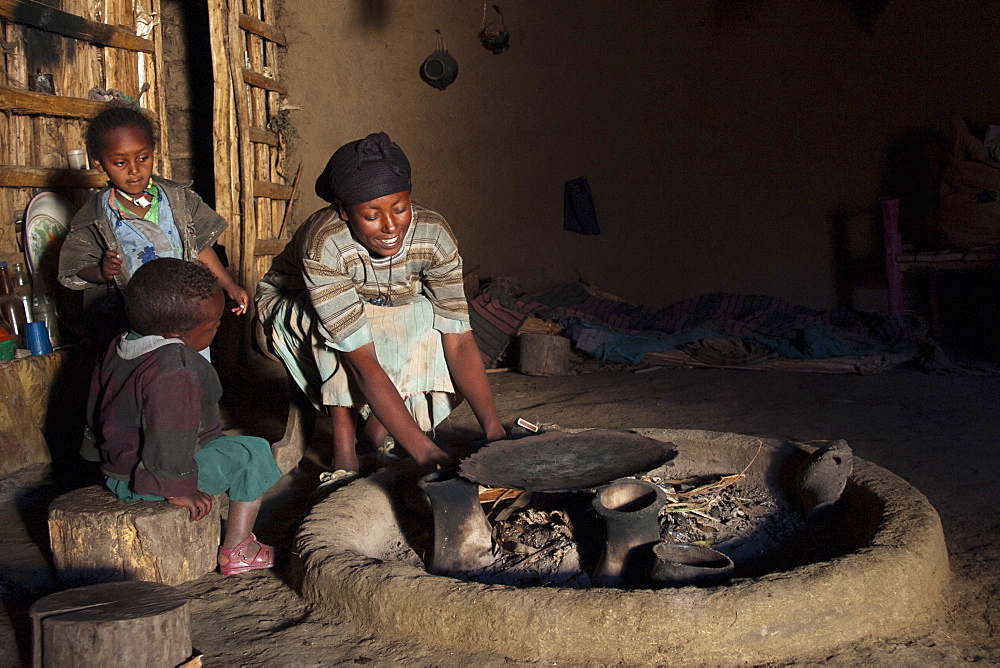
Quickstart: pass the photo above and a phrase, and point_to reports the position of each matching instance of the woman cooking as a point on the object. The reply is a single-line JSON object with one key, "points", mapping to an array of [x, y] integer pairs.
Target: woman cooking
{"points": [[365, 306]]}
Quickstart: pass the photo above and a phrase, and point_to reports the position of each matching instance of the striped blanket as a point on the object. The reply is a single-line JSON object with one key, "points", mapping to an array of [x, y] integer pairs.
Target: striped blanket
{"points": [[626, 332]]}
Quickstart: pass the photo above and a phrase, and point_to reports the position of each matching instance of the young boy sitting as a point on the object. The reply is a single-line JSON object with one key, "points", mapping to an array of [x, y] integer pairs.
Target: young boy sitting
{"points": [[153, 411]]}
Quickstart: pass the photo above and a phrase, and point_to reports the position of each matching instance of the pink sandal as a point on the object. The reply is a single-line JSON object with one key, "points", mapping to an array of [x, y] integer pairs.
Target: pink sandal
{"points": [[237, 557]]}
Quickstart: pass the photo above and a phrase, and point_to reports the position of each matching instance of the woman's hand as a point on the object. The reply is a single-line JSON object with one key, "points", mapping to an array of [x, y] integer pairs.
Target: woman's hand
{"points": [[496, 434], [199, 504]]}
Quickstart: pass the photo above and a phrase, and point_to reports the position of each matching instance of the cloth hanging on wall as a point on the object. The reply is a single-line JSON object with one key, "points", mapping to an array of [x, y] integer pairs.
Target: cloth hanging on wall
{"points": [[579, 214]]}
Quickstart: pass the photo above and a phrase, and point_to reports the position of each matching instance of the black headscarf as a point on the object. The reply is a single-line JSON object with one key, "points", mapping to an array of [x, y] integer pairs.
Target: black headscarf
{"points": [[363, 170]]}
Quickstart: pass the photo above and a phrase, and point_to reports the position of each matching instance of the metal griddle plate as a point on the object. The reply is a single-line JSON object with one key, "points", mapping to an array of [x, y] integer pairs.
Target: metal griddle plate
{"points": [[561, 462]]}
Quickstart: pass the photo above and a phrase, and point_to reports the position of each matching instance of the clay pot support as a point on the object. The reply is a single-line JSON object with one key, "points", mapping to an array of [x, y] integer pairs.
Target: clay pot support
{"points": [[463, 539], [630, 509]]}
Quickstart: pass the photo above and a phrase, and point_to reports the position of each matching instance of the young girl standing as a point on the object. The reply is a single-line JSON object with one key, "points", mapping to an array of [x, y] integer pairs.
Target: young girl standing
{"points": [[136, 218]]}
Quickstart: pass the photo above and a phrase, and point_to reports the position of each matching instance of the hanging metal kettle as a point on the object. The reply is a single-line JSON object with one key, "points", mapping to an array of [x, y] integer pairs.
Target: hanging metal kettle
{"points": [[439, 69], [494, 36]]}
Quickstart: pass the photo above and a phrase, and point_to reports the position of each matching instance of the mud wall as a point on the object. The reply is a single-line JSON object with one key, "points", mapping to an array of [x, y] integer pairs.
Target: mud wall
{"points": [[724, 140]]}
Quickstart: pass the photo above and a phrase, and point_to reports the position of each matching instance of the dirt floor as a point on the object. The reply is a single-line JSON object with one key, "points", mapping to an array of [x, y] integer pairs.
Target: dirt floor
{"points": [[937, 431]]}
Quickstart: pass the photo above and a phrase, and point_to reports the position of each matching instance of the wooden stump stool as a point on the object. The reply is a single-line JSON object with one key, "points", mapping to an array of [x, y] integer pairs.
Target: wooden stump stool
{"points": [[543, 354], [97, 538], [112, 624]]}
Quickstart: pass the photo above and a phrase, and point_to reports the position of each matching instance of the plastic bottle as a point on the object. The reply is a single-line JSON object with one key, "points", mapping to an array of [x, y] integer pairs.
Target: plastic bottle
{"points": [[22, 288], [10, 306], [43, 309]]}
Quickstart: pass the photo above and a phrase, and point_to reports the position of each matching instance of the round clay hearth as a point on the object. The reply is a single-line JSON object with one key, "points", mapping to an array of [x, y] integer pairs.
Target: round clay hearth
{"points": [[358, 564]]}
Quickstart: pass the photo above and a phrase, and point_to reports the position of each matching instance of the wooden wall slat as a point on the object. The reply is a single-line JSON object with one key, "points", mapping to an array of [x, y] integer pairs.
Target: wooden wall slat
{"points": [[20, 140], [261, 29], [121, 69], [4, 145], [157, 100], [49, 145], [235, 44], [223, 143], [271, 190], [262, 212], [262, 136], [269, 247], [27, 102], [19, 176], [43, 17], [276, 168], [261, 81], [17, 62]]}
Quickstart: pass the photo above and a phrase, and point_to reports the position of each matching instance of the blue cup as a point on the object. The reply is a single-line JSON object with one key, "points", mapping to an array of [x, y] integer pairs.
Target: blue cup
{"points": [[37, 336]]}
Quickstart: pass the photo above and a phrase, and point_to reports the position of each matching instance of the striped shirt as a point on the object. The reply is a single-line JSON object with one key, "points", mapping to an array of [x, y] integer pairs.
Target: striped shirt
{"points": [[339, 275]]}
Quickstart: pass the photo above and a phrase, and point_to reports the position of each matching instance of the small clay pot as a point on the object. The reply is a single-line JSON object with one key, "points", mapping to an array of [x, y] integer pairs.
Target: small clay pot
{"points": [[684, 565]]}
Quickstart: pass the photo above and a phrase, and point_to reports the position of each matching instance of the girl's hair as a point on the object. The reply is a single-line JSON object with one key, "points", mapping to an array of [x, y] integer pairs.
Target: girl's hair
{"points": [[112, 118], [164, 295]]}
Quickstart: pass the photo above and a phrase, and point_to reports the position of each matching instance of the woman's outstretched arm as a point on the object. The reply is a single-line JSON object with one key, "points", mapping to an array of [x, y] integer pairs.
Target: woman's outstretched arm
{"points": [[469, 376], [385, 402]]}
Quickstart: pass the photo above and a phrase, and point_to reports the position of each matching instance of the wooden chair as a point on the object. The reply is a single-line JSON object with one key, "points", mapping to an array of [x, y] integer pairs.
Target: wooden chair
{"points": [[904, 259], [928, 259]]}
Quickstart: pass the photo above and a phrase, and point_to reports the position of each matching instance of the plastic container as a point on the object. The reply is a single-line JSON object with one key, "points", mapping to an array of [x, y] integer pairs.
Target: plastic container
{"points": [[77, 158], [37, 338], [7, 349], [7, 340], [43, 309]]}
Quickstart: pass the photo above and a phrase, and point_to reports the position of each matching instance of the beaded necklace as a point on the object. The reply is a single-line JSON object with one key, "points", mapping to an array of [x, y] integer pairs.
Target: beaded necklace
{"points": [[142, 200]]}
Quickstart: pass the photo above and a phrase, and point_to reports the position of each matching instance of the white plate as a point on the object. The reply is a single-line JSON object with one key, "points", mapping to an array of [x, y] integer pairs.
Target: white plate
{"points": [[46, 223]]}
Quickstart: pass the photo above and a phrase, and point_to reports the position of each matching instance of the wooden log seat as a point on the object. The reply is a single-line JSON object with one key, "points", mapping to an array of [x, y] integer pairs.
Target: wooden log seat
{"points": [[112, 624], [97, 538]]}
